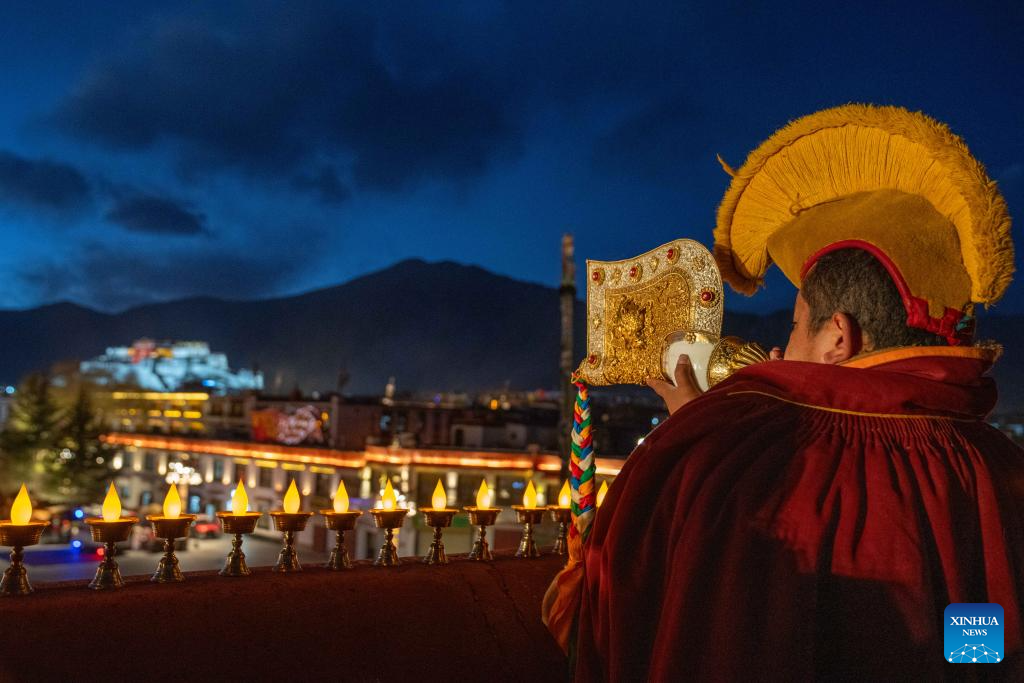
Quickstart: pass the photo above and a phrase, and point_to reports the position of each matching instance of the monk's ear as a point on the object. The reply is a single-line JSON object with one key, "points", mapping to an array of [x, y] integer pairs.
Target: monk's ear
{"points": [[844, 339]]}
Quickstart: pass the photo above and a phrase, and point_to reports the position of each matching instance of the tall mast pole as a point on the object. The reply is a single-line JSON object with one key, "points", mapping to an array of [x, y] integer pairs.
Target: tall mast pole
{"points": [[567, 294]]}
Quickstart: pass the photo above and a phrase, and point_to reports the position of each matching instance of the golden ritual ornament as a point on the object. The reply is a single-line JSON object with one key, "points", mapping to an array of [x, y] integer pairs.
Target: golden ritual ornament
{"points": [[643, 312]]}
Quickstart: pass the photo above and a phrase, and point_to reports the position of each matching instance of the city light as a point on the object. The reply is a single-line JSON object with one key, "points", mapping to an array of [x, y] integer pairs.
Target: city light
{"points": [[357, 459], [182, 474], [159, 396]]}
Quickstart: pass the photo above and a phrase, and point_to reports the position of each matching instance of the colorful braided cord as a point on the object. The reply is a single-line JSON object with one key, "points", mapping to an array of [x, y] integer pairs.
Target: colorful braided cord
{"points": [[582, 465]]}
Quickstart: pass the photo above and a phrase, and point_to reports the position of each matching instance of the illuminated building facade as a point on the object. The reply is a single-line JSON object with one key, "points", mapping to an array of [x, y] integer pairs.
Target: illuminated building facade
{"points": [[169, 366], [207, 469]]}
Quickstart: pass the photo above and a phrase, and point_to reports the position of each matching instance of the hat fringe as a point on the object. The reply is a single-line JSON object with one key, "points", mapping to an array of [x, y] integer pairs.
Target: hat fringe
{"points": [[855, 148]]}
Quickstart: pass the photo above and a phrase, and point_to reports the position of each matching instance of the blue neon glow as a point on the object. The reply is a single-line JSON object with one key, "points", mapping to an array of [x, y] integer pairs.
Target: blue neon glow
{"points": [[78, 513], [76, 544]]}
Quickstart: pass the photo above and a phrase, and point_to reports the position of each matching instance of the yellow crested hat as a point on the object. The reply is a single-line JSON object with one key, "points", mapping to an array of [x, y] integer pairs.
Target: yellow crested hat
{"points": [[893, 182]]}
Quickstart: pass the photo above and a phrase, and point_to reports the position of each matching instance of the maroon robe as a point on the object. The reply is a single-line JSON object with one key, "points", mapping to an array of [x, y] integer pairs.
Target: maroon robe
{"points": [[806, 521]]}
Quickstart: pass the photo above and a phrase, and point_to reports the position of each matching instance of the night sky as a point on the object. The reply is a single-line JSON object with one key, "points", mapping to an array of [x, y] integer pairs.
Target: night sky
{"points": [[150, 151]]}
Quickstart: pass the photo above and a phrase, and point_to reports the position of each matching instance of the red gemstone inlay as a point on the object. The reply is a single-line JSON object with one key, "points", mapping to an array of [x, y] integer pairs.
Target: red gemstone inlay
{"points": [[596, 276], [632, 271], [707, 296], [593, 358], [671, 253]]}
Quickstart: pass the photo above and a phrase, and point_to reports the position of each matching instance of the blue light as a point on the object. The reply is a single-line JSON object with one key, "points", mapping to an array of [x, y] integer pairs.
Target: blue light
{"points": [[209, 383], [9, 389], [76, 544], [78, 513], [654, 421]]}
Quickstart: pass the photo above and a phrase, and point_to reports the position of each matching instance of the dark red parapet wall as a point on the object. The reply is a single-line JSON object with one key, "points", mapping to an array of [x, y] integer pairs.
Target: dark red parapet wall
{"points": [[467, 621]]}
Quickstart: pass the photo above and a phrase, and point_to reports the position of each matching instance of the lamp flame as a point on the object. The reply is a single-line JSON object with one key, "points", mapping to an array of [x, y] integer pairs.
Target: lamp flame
{"points": [[439, 500], [564, 496], [21, 511], [530, 496], [239, 500], [387, 499], [172, 503], [291, 499], [602, 493], [341, 497], [483, 496], [111, 505]]}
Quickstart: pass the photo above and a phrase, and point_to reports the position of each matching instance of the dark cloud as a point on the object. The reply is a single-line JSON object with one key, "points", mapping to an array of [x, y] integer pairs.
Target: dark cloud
{"points": [[325, 184], [111, 277], [285, 91], [42, 184], [157, 215]]}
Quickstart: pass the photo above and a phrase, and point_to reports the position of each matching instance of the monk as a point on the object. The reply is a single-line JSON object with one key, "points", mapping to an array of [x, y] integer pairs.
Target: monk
{"points": [[812, 516]]}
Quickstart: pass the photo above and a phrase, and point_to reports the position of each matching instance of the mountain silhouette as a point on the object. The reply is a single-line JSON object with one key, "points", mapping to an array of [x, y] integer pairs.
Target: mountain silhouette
{"points": [[433, 326]]}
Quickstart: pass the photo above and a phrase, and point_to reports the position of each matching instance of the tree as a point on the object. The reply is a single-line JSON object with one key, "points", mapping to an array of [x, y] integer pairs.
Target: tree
{"points": [[29, 441], [56, 450], [81, 468]]}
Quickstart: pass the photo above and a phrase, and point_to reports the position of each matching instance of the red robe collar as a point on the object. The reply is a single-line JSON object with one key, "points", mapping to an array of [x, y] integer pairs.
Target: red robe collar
{"points": [[947, 382]]}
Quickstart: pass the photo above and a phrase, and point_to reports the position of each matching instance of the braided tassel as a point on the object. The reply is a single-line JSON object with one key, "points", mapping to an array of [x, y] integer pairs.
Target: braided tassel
{"points": [[582, 465]]}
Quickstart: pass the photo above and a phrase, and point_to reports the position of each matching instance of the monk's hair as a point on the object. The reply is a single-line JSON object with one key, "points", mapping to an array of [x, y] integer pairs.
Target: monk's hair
{"points": [[854, 282]]}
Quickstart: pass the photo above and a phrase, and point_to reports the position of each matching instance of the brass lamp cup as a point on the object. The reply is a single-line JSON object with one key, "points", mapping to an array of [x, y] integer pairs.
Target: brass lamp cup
{"points": [[340, 522], [483, 518], [528, 517], [290, 523], [169, 529], [439, 518], [237, 523], [17, 536], [564, 517], [389, 520], [108, 576]]}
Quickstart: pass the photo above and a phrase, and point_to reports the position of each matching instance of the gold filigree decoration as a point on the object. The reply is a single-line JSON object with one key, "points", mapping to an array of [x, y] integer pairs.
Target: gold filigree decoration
{"points": [[731, 354], [645, 301], [640, 322]]}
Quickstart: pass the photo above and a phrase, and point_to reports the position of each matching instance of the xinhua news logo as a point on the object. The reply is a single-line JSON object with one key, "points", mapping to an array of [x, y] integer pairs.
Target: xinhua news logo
{"points": [[974, 633]]}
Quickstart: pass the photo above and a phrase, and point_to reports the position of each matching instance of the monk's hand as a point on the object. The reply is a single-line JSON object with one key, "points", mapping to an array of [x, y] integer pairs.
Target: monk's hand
{"points": [[775, 354], [685, 389]]}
